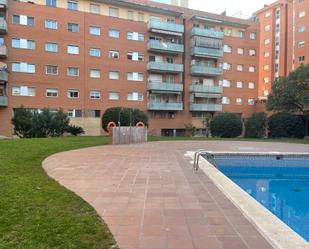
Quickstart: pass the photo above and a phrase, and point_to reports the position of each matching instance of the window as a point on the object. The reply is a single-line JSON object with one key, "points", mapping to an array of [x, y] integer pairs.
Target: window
{"points": [[135, 96], [226, 100], [113, 75], [72, 5], [93, 113], [240, 67], [95, 52], [113, 33], [239, 101], [226, 83], [23, 20], [267, 14], [250, 101], [301, 44], [228, 32], [251, 69], [301, 58], [94, 8], [301, 14], [95, 73], [135, 36], [267, 28], [266, 54], [252, 36], [51, 47], [227, 49], [301, 29], [114, 54], [114, 12], [141, 16], [75, 113], [113, 96], [134, 76], [51, 70], [94, 30], [23, 43], [227, 66], [51, 24], [130, 15], [71, 49], [240, 34], [24, 91], [135, 56], [239, 84], [266, 41], [266, 67], [240, 51], [51, 92], [73, 94], [73, 71], [51, 3], [23, 67], [95, 95], [251, 85], [265, 93], [252, 52], [73, 27]]}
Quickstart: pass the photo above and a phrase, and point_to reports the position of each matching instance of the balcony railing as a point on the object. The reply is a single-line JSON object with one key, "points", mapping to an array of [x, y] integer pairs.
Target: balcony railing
{"points": [[3, 101], [160, 26], [206, 89], [206, 70], [206, 107], [206, 52], [164, 67], [163, 106], [3, 26], [165, 47], [207, 33], [3, 76], [3, 51], [4, 3], [161, 86]]}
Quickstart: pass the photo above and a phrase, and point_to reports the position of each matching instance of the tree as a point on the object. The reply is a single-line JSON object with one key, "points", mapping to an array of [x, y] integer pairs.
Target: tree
{"points": [[124, 116], [226, 125], [189, 130], [256, 125], [291, 94]]}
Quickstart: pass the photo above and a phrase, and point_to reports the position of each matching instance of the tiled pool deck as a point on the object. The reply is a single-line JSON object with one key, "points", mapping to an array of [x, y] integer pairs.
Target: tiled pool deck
{"points": [[150, 197]]}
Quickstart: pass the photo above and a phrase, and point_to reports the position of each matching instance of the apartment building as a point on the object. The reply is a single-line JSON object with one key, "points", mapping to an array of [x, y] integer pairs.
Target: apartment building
{"points": [[181, 3], [176, 64]]}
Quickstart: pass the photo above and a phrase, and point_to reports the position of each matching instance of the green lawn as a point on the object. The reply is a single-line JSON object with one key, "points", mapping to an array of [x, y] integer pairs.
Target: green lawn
{"points": [[35, 211]]}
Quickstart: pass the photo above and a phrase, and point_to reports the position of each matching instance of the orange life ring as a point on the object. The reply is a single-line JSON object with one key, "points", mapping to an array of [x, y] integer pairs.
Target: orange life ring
{"points": [[111, 125], [141, 124]]}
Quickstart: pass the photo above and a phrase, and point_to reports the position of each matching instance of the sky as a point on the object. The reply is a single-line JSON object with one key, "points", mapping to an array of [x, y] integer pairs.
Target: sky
{"points": [[247, 7]]}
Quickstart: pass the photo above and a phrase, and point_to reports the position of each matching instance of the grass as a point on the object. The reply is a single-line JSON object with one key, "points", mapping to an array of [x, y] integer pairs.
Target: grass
{"points": [[35, 211]]}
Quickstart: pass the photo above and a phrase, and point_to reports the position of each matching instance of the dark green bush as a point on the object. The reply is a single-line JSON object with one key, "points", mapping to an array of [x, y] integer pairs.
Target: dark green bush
{"points": [[226, 125], [75, 130], [284, 124], [256, 125], [31, 123], [125, 116]]}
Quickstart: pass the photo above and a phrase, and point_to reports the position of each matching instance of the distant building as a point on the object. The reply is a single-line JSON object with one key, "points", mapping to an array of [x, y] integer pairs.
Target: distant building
{"points": [[181, 3]]}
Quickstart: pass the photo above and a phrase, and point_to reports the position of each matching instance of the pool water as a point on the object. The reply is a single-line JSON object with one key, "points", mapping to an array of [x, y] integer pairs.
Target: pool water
{"points": [[282, 187]]}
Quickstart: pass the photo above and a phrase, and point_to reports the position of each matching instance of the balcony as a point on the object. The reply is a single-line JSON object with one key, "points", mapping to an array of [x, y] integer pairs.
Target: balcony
{"points": [[202, 70], [3, 101], [206, 107], [206, 52], [3, 26], [159, 26], [206, 89], [165, 87], [3, 76], [3, 4], [162, 106], [207, 33], [3, 51], [165, 47], [162, 67]]}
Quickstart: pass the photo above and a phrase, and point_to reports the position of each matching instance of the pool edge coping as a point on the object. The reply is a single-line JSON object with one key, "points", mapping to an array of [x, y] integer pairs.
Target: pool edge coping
{"points": [[275, 231]]}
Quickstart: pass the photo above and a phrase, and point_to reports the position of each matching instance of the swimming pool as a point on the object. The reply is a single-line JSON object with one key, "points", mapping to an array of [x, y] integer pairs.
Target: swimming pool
{"points": [[279, 182]]}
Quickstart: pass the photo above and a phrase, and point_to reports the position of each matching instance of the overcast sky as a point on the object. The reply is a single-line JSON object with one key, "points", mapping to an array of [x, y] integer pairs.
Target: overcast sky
{"points": [[247, 7]]}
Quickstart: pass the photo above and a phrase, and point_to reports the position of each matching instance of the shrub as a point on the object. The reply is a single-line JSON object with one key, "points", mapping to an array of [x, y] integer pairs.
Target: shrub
{"points": [[256, 125], [31, 123], [75, 130], [226, 125], [189, 130], [284, 124], [125, 116]]}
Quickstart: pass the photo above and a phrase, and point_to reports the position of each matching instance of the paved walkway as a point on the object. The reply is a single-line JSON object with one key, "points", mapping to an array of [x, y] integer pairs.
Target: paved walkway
{"points": [[150, 197]]}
